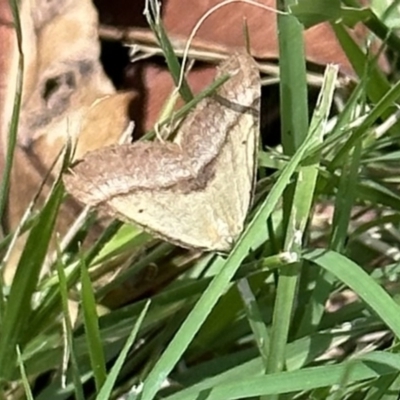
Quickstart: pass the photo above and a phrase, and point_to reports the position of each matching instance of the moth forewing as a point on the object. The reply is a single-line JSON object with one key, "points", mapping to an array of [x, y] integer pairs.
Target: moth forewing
{"points": [[194, 192]]}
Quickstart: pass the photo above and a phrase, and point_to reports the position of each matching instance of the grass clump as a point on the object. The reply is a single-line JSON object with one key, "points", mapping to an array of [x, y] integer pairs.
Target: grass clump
{"points": [[304, 306]]}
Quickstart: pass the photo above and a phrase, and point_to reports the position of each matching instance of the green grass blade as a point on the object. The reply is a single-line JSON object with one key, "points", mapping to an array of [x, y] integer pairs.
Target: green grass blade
{"points": [[376, 84], [152, 13], [68, 331], [91, 323], [359, 281], [345, 199], [24, 378], [254, 317], [313, 12], [13, 131], [385, 103], [299, 215], [383, 386], [252, 384], [377, 26], [106, 390], [188, 106], [293, 86], [19, 303], [294, 128]]}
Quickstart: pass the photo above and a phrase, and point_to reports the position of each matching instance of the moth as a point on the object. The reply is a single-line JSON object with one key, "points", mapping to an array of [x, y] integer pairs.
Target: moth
{"points": [[195, 191]]}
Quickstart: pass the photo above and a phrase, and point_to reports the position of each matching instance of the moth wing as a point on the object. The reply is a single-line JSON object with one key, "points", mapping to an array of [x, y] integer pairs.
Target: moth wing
{"points": [[209, 218], [195, 192]]}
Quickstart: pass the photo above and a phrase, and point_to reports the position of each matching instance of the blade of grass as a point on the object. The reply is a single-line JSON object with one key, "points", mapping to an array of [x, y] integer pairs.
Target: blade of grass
{"points": [[24, 378], [344, 201], [293, 87], [299, 215], [18, 309], [152, 13], [359, 281], [51, 303], [386, 102], [343, 120], [294, 127], [313, 12], [188, 106], [248, 385], [376, 84], [254, 317], [106, 390], [156, 254], [376, 26], [92, 329], [13, 131], [76, 377], [9, 238], [382, 386]]}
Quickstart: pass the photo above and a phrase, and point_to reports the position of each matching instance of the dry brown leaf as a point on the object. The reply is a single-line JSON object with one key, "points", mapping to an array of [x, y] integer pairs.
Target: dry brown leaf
{"points": [[63, 81], [65, 94]]}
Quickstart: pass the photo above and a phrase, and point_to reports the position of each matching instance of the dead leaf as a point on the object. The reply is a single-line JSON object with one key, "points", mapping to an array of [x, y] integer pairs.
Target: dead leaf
{"points": [[65, 94], [63, 82]]}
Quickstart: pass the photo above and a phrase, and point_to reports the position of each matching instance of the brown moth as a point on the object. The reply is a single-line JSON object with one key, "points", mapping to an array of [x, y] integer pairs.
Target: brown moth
{"points": [[195, 191]]}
